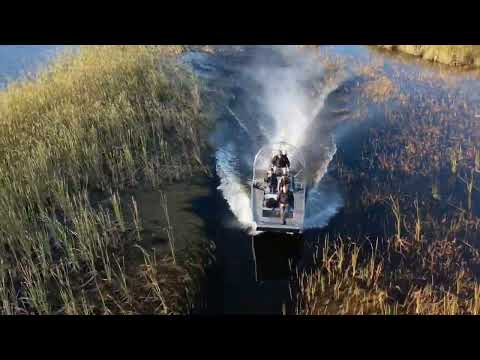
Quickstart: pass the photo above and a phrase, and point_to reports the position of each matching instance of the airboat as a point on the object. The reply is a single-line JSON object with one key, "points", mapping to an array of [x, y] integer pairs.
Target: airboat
{"points": [[265, 216]]}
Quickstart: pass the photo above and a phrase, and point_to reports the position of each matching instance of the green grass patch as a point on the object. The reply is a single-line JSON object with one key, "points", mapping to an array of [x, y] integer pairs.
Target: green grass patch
{"points": [[98, 121]]}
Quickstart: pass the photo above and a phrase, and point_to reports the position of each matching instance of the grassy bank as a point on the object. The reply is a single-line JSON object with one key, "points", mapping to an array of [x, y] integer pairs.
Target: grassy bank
{"points": [[455, 55], [407, 240], [88, 129], [397, 275]]}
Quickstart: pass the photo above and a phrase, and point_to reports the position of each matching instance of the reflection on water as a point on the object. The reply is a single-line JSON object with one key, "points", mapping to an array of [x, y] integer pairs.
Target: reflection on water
{"points": [[19, 60]]}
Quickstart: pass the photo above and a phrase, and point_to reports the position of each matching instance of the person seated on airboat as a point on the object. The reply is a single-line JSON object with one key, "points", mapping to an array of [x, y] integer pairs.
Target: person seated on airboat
{"points": [[271, 181], [280, 162], [285, 201], [283, 161], [284, 181], [275, 161]]}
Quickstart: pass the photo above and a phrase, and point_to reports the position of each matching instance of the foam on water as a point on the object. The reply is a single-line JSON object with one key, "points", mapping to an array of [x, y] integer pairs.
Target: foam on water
{"points": [[235, 193], [285, 96]]}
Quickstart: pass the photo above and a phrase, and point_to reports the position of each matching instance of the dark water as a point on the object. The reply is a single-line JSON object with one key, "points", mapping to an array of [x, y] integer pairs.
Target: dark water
{"points": [[18, 60]]}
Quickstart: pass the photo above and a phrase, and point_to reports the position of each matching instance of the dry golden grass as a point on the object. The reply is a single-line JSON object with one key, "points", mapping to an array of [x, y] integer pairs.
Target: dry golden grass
{"points": [[380, 89], [349, 279], [456, 55]]}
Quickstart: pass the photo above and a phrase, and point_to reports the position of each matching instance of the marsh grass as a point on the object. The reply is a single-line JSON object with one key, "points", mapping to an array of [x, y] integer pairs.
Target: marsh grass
{"points": [[457, 55], [91, 125], [407, 240], [388, 279]]}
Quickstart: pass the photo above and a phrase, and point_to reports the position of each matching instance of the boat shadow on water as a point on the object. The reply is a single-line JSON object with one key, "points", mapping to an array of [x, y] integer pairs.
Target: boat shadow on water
{"points": [[276, 255]]}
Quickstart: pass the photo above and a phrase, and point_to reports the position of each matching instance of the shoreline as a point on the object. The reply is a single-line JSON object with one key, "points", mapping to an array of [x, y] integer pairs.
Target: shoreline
{"points": [[467, 56]]}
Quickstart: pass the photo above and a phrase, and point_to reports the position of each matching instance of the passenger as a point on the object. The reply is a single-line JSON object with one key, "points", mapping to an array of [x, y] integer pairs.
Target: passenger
{"points": [[276, 160], [283, 161], [284, 181], [272, 182], [269, 175], [283, 202], [291, 199]]}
